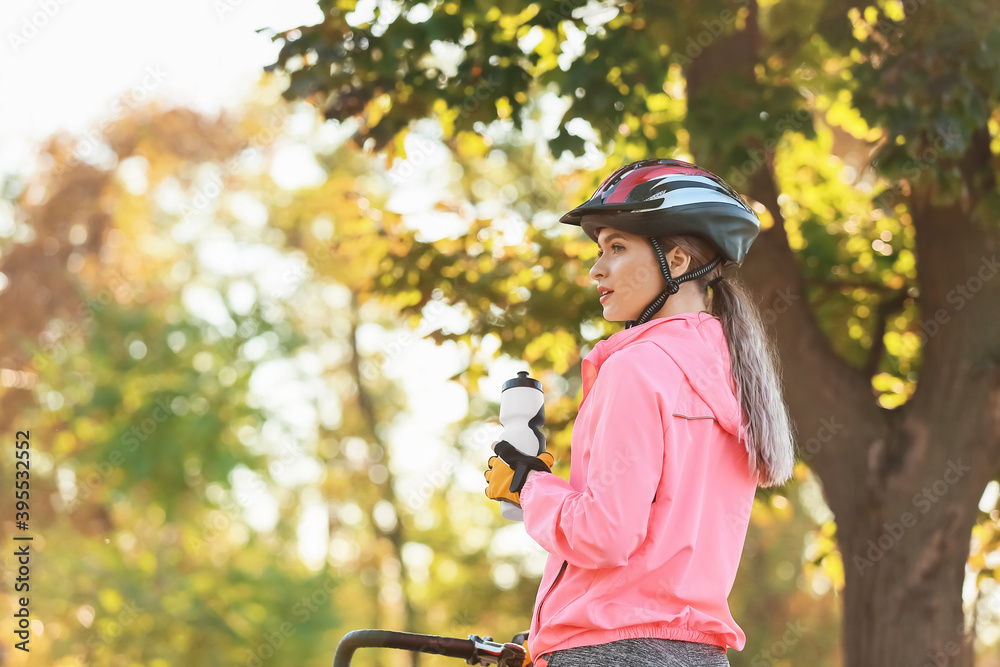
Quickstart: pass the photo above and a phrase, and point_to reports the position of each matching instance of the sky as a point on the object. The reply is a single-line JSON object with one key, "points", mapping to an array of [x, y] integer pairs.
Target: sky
{"points": [[69, 60]]}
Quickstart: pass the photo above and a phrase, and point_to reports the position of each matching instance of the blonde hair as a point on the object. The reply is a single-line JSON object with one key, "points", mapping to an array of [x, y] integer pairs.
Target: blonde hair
{"points": [[754, 366]]}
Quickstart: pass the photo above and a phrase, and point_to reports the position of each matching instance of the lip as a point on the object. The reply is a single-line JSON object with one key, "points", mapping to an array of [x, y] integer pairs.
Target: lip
{"points": [[606, 295]]}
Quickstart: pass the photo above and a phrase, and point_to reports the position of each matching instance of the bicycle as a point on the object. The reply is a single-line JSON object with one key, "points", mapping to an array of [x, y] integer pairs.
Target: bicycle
{"points": [[475, 650]]}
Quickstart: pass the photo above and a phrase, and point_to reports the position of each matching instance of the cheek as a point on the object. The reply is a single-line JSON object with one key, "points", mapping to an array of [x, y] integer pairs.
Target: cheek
{"points": [[640, 277], [644, 284]]}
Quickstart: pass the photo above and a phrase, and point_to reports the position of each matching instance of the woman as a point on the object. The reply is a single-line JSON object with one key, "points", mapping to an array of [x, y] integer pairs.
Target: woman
{"points": [[681, 419]]}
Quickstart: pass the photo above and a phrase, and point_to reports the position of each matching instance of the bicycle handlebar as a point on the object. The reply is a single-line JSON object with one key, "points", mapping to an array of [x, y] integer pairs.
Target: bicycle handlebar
{"points": [[448, 646], [474, 650]]}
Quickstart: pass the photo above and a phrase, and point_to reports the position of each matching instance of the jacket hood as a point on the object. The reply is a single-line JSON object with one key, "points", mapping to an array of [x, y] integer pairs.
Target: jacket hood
{"points": [[697, 344]]}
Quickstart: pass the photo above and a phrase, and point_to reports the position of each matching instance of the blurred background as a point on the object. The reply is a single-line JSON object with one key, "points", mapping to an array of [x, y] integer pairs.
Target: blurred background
{"points": [[265, 266]]}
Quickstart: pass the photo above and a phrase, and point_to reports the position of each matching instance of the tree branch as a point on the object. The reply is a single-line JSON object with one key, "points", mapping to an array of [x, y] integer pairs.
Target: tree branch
{"points": [[830, 284]]}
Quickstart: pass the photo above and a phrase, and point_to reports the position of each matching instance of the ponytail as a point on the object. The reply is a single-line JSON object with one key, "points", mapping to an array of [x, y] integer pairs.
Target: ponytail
{"points": [[767, 432], [758, 385]]}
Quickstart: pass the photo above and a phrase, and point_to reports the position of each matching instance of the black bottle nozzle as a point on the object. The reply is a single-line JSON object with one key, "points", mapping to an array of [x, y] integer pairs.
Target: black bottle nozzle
{"points": [[522, 380]]}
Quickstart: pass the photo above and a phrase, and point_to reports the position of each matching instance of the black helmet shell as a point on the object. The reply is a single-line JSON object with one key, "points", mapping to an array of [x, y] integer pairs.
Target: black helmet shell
{"points": [[666, 197]]}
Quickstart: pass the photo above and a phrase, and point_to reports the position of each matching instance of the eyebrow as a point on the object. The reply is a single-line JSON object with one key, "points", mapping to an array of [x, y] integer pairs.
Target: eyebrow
{"points": [[615, 235]]}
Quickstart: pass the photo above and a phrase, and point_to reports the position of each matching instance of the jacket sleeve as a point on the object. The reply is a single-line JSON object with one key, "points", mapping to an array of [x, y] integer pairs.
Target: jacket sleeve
{"points": [[603, 524]]}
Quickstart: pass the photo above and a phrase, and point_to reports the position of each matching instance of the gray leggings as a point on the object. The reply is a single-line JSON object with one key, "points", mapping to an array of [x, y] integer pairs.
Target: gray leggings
{"points": [[642, 652]]}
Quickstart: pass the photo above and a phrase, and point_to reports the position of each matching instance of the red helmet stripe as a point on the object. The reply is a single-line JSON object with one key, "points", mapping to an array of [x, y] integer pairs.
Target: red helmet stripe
{"points": [[620, 191]]}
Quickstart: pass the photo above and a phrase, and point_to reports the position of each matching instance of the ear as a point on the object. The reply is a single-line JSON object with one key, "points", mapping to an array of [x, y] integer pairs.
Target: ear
{"points": [[679, 261]]}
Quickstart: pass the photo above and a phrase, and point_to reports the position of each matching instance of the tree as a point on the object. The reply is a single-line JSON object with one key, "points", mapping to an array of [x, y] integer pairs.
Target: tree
{"points": [[146, 500], [867, 137]]}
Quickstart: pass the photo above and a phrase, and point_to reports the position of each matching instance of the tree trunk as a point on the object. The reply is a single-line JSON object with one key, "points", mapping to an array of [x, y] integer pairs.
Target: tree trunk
{"points": [[903, 484], [388, 492]]}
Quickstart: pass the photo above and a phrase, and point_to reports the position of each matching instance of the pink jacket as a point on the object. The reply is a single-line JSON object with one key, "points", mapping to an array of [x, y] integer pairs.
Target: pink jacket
{"points": [[645, 538]]}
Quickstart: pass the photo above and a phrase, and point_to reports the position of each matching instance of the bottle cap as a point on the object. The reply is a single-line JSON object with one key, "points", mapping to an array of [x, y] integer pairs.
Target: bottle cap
{"points": [[522, 380]]}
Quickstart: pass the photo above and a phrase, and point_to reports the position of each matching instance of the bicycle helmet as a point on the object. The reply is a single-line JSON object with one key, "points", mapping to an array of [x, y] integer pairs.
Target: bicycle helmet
{"points": [[666, 197]]}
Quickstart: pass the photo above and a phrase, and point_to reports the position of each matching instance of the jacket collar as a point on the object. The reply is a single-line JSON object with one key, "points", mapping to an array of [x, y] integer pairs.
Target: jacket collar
{"points": [[697, 344]]}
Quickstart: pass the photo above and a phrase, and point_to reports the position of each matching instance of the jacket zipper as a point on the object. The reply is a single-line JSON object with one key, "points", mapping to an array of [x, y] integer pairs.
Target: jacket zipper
{"points": [[538, 613]]}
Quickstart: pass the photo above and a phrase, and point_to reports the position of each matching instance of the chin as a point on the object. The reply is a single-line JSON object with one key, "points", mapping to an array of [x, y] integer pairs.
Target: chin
{"points": [[612, 316]]}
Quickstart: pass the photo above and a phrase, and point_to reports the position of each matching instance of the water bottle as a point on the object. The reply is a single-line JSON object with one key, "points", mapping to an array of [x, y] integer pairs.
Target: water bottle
{"points": [[522, 414]]}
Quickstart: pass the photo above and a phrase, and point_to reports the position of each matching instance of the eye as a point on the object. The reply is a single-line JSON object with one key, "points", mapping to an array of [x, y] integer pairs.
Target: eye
{"points": [[615, 249]]}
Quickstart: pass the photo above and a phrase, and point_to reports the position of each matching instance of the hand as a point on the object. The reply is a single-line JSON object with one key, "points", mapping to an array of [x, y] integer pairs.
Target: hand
{"points": [[508, 471]]}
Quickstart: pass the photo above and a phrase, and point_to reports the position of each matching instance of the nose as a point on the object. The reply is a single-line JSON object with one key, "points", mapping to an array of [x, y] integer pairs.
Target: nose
{"points": [[597, 271]]}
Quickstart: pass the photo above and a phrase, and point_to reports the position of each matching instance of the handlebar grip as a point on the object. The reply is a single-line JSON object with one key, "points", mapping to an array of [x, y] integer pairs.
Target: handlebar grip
{"points": [[451, 647]]}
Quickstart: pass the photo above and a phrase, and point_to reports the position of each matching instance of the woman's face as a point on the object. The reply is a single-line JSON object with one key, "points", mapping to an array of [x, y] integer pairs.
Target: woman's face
{"points": [[627, 274]]}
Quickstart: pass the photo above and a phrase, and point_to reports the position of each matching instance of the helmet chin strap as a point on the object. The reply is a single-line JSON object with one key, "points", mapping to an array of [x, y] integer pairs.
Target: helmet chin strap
{"points": [[673, 284]]}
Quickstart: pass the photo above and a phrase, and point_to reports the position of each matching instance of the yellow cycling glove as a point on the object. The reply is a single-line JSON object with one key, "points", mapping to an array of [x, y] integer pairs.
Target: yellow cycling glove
{"points": [[509, 469]]}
